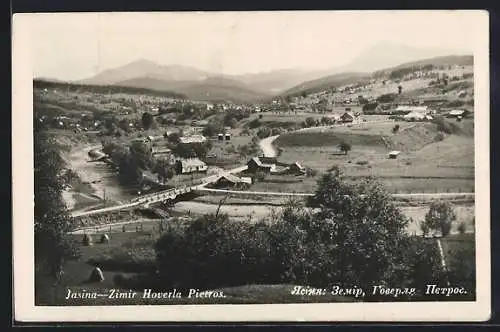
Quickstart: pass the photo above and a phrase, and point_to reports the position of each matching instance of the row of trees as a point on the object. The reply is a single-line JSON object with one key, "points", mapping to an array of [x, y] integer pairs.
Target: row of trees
{"points": [[51, 218]]}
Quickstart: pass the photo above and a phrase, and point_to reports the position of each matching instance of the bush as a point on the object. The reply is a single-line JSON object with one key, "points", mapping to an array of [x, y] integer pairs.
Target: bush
{"points": [[462, 228], [212, 244], [439, 137], [442, 125], [259, 176], [439, 217], [310, 172], [362, 162], [255, 123], [138, 260], [264, 132], [395, 129]]}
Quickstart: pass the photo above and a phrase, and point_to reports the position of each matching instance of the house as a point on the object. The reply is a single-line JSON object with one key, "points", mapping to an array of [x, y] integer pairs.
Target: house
{"points": [[230, 180], [192, 139], [347, 117], [191, 165], [458, 113], [268, 160], [296, 168], [255, 164], [394, 154], [414, 116]]}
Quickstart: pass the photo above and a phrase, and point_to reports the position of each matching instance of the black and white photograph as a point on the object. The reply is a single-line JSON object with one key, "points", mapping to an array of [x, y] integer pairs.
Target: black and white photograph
{"points": [[227, 166]]}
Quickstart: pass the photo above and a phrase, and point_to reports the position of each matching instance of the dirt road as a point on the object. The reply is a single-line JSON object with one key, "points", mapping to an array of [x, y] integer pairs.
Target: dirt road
{"points": [[266, 145]]}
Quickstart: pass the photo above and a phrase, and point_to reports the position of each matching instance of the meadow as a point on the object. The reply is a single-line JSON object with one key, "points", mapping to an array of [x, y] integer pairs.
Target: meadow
{"points": [[425, 164]]}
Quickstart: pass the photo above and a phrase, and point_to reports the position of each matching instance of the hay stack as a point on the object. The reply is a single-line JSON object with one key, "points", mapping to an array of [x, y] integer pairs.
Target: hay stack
{"points": [[104, 238], [87, 240], [96, 275]]}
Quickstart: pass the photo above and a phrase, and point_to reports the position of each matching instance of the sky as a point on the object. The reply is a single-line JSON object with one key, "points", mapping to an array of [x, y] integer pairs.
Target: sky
{"points": [[73, 46]]}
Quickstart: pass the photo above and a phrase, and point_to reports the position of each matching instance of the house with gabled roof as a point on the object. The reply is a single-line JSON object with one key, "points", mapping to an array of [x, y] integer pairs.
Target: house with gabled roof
{"points": [[190, 165], [255, 164]]}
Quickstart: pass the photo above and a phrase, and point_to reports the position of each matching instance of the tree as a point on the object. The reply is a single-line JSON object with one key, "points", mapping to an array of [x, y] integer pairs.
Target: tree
{"points": [[192, 150], [386, 98], [147, 120], [124, 125], [174, 138], [344, 147], [357, 236], [130, 172], [164, 170], [142, 154], [212, 129], [440, 217], [310, 122], [400, 89], [395, 129], [52, 220]]}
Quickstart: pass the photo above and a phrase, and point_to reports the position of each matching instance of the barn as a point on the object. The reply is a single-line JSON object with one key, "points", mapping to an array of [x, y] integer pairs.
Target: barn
{"points": [[191, 165], [255, 164], [230, 180], [347, 117]]}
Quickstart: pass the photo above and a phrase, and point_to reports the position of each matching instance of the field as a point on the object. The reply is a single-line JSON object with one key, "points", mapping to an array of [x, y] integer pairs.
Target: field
{"points": [[424, 165]]}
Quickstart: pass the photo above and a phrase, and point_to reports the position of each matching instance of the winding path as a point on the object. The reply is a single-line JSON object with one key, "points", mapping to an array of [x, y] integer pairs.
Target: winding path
{"points": [[266, 145]]}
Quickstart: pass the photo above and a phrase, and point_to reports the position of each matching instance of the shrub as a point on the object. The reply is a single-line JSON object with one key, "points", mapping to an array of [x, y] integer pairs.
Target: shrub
{"points": [[442, 125], [344, 147], [264, 132], [255, 123], [440, 217], [362, 162], [212, 244], [311, 172], [395, 129], [439, 137], [259, 176], [462, 228]]}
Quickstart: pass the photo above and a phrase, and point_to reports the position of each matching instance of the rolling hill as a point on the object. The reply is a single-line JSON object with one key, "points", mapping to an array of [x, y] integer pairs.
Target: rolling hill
{"points": [[459, 60], [193, 83], [324, 83], [48, 84], [327, 82], [215, 89], [146, 68]]}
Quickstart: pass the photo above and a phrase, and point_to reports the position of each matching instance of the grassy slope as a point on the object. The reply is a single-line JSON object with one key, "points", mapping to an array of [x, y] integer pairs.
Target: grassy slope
{"points": [[424, 166]]}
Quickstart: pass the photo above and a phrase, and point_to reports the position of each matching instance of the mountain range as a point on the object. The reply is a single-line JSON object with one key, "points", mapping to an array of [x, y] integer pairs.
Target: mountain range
{"points": [[198, 84]]}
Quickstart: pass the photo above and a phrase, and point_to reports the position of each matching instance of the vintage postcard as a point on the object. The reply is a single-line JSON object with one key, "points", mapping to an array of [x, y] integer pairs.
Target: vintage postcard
{"points": [[251, 166]]}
